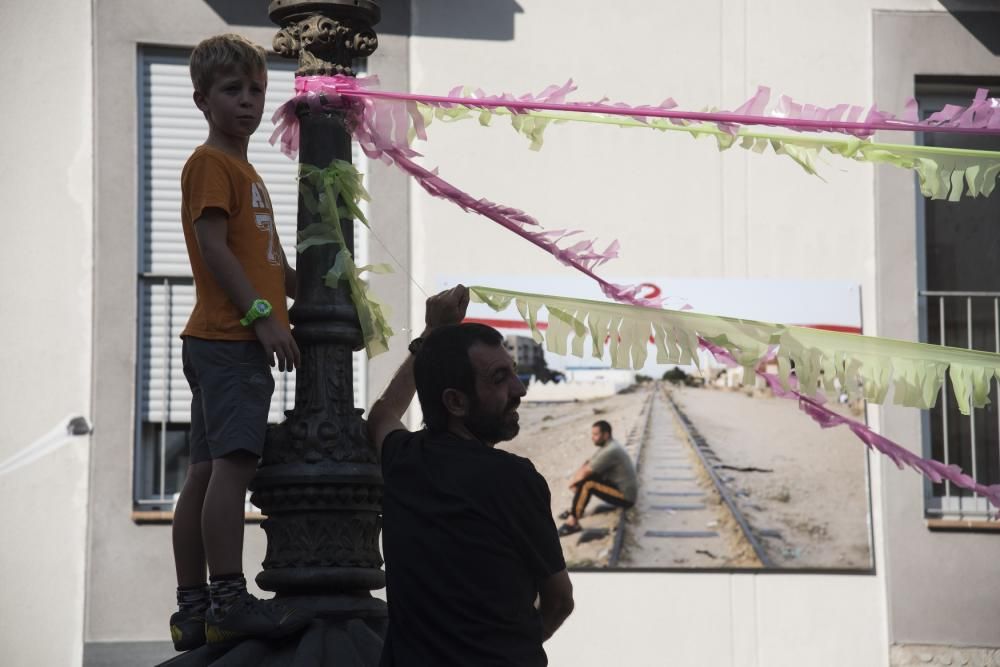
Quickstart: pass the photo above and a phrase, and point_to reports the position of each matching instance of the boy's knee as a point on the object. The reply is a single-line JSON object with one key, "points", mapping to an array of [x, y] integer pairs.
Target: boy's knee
{"points": [[199, 473], [239, 461]]}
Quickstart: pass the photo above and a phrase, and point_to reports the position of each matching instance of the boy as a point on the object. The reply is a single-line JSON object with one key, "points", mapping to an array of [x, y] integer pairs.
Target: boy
{"points": [[238, 328]]}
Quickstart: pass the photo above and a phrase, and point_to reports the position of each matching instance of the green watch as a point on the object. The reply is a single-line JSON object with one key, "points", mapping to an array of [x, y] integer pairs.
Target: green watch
{"points": [[258, 309]]}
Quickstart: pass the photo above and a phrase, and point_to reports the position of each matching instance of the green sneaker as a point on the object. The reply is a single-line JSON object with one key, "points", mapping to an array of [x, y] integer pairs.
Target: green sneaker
{"points": [[249, 617], [187, 629]]}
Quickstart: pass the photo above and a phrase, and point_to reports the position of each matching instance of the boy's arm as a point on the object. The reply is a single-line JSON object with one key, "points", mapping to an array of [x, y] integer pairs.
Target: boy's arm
{"points": [[386, 413], [291, 279], [210, 231]]}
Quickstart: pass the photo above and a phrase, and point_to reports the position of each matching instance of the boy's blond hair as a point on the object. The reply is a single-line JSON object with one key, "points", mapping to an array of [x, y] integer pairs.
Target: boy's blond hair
{"points": [[224, 53]]}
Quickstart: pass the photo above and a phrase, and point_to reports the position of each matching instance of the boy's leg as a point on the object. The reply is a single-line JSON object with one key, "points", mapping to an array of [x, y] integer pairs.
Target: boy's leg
{"points": [[189, 552], [222, 517], [237, 386], [187, 624]]}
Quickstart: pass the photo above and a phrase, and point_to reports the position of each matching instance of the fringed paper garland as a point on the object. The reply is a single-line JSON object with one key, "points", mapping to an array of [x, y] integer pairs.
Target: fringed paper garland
{"points": [[626, 334], [981, 116], [813, 406], [381, 131], [335, 192], [862, 366], [943, 173]]}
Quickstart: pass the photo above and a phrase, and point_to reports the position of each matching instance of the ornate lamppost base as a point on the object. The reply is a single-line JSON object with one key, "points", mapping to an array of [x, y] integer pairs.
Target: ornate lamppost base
{"points": [[328, 640]]}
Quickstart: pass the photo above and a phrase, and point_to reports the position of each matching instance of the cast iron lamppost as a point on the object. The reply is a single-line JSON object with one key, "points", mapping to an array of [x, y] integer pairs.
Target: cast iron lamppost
{"points": [[319, 482]]}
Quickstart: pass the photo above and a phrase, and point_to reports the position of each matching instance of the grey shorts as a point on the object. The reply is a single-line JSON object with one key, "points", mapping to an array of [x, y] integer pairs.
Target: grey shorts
{"points": [[231, 387]]}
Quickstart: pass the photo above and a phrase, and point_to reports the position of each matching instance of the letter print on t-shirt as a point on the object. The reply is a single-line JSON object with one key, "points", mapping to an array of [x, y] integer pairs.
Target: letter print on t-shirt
{"points": [[265, 221]]}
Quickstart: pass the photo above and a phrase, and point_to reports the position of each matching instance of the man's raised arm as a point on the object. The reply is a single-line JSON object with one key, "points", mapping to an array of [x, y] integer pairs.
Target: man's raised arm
{"points": [[386, 414]]}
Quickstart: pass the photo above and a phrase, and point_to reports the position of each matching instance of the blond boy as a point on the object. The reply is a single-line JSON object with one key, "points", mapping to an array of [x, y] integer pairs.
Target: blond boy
{"points": [[237, 331]]}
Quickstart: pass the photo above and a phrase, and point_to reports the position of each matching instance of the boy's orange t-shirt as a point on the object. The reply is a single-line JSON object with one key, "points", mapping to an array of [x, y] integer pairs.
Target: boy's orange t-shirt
{"points": [[214, 179]]}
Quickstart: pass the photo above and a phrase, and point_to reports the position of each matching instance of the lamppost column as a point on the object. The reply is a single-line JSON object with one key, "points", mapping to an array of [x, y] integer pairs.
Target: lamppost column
{"points": [[319, 482]]}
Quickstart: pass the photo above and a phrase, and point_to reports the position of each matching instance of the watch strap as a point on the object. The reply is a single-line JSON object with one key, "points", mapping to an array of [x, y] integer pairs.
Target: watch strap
{"points": [[260, 308]]}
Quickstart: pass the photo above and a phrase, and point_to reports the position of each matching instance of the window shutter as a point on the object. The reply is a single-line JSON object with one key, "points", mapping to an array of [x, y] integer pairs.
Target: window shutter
{"points": [[170, 129]]}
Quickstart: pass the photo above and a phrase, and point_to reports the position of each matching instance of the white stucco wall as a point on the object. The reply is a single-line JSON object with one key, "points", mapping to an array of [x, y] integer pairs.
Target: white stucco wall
{"points": [[46, 340], [679, 208]]}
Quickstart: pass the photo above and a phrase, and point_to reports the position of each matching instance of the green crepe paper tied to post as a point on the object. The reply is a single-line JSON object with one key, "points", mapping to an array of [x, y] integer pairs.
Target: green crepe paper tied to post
{"points": [[944, 173], [335, 193], [861, 366]]}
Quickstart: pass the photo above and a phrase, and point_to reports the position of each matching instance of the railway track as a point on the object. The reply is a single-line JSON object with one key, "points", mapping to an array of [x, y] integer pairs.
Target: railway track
{"points": [[686, 515]]}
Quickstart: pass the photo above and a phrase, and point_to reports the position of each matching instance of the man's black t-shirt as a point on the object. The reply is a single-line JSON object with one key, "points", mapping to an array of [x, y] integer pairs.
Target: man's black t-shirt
{"points": [[467, 536]]}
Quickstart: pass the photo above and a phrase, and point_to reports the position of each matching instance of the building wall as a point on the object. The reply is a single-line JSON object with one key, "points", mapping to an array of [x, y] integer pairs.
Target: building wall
{"points": [[943, 588], [734, 215], [48, 207], [679, 207], [130, 575]]}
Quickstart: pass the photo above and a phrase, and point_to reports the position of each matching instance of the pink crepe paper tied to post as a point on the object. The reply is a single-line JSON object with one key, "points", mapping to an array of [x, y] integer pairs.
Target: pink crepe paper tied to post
{"points": [[381, 128], [982, 116], [934, 470]]}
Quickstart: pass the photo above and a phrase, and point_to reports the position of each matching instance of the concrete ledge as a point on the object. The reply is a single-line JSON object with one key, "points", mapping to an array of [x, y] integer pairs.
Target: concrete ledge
{"points": [[903, 655], [127, 654]]}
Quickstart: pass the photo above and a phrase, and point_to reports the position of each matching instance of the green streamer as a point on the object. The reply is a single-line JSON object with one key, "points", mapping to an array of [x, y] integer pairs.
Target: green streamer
{"points": [[943, 173], [334, 193], [862, 366]]}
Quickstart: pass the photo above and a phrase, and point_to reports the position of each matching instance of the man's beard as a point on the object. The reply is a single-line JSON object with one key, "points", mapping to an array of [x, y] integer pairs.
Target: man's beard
{"points": [[492, 428]]}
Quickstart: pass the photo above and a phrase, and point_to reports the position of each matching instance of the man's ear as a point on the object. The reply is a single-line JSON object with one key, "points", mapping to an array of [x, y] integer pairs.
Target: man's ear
{"points": [[455, 402]]}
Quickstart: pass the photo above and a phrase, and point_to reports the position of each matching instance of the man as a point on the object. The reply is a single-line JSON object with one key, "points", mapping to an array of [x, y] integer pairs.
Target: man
{"points": [[468, 536], [609, 475]]}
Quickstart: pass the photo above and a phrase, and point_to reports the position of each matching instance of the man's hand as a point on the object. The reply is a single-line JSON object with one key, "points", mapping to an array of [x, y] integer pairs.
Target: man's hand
{"points": [[447, 307], [278, 343], [386, 414]]}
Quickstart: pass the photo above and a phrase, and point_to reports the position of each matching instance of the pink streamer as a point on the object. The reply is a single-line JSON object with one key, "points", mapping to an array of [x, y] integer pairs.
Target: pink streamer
{"points": [[381, 130], [827, 418], [381, 125], [982, 116]]}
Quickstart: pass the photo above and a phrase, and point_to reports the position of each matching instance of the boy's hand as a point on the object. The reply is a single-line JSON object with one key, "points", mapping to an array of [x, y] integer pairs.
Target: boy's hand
{"points": [[278, 343], [447, 307]]}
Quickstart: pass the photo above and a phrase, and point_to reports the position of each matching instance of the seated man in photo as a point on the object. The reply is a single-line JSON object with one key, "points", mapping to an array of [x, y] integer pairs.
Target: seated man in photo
{"points": [[609, 475]]}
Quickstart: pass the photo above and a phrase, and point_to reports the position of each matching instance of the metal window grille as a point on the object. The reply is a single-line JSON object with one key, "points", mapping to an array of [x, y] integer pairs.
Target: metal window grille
{"points": [[970, 320], [959, 305]]}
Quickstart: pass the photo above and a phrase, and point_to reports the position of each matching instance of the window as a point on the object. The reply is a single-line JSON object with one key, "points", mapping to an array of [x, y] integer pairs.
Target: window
{"points": [[170, 127], [959, 301]]}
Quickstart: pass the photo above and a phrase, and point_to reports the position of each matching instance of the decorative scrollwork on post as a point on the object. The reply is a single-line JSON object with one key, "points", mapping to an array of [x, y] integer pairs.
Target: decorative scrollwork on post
{"points": [[325, 46]]}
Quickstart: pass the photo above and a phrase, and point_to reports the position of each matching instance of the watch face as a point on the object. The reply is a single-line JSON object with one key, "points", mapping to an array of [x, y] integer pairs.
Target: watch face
{"points": [[262, 308]]}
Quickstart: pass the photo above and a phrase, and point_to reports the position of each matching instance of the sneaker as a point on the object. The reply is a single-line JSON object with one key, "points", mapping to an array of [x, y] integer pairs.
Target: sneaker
{"points": [[187, 629], [567, 529], [249, 617]]}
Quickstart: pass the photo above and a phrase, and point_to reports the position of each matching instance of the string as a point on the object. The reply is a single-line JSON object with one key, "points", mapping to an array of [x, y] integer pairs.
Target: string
{"points": [[402, 268]]}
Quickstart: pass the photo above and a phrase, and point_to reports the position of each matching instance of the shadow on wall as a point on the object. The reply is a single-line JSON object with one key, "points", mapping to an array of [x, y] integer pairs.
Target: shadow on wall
{"points": [[488, 20], [981, 18], [482, 19], [242, 12]]}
